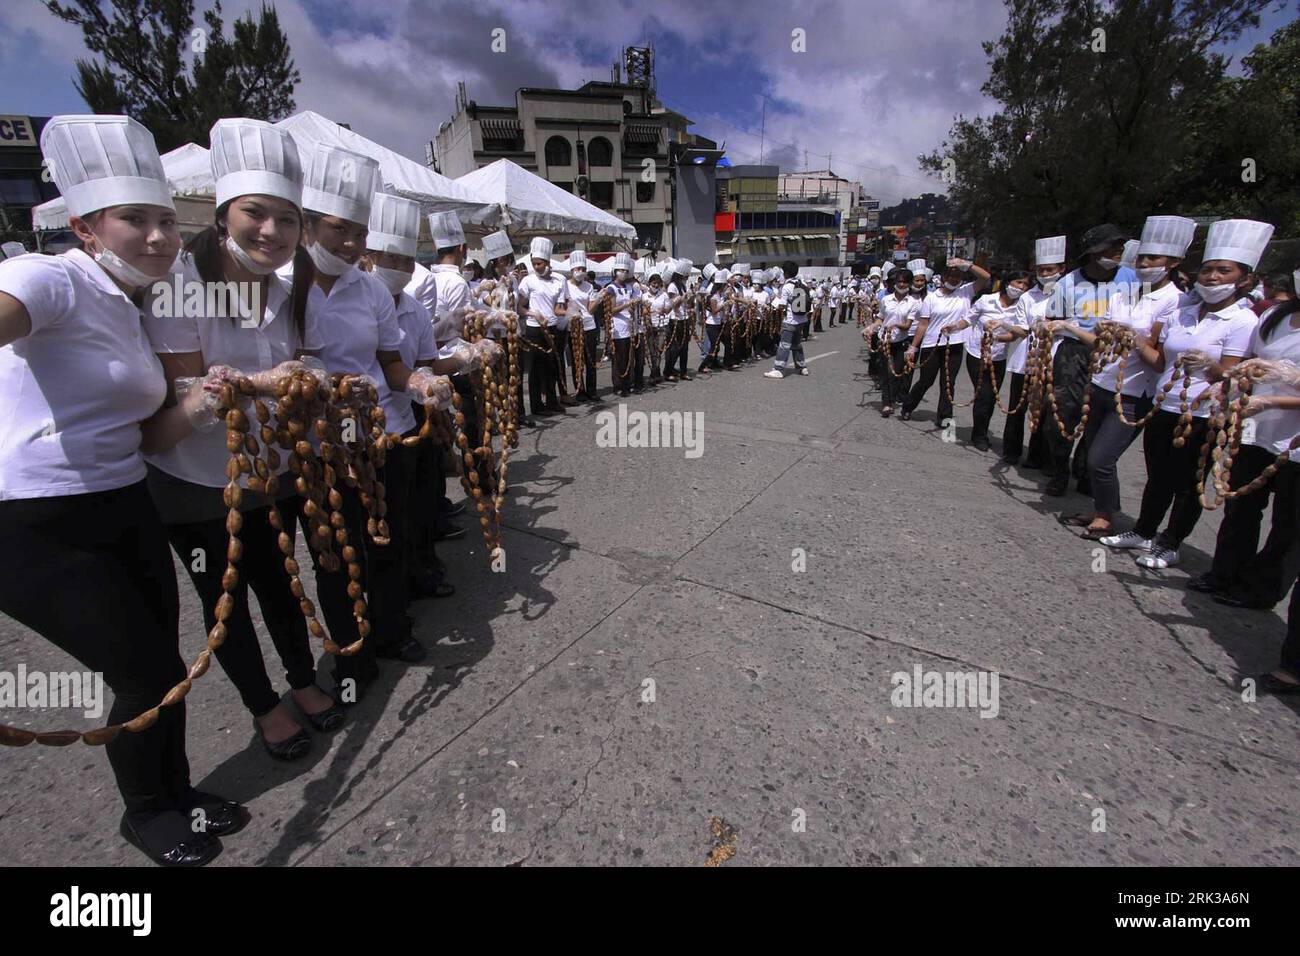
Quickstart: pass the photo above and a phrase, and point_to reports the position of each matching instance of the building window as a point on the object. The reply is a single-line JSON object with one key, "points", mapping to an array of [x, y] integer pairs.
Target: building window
{"points": [[645, 192], [567, 187], [558, 152], [601, 194], [600, 152]]}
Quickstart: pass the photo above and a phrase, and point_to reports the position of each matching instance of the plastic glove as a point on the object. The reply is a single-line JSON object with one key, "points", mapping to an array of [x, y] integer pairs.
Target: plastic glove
{"points": [[429, 389], [1194, 360], [200, 400], [1256, 404], [486, 352], [910, 353], [462, 354], [266, 380], [1281, 372], [316, 367]]}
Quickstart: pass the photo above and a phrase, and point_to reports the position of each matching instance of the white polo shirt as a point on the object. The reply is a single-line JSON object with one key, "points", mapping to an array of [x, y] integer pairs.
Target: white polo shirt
{"points": [[200, 458], [986, 309], [656, 306], [423, 289], [626, 323], [1276, 427], [357, 321], [1219, 335], [453, 302], [543, 296], [1155, 308], [74, 391], [899, 315], [1031, 308], [717, 301], [944, 309], [582, 298], [417, 346]]}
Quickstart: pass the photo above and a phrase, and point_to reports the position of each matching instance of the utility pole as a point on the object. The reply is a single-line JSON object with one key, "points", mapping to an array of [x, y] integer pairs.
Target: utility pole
{"points": [[762, 133]]}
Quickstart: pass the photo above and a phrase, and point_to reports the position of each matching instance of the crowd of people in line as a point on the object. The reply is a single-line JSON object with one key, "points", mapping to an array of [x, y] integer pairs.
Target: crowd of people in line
{"points": [[112, 457]]}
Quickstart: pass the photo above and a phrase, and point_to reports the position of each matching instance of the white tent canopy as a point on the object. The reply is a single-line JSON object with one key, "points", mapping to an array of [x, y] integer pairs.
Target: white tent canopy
{"points": [[531, 206], [405, 177], [189, 173]]}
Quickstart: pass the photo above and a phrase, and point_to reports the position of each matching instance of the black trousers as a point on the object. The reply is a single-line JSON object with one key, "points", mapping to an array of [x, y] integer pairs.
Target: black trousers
{"points": [[741, 341], [428, 487], [894, 388], [1171, 478], [93, 575], [1013, 432], [713, 333], [1107, 438], [817, 318], [1259, 578], [262, 569], [332, 590], [654, 347], [624, 354], [675, 358], [1290, 660], [389, 581], [1069, 382], [932, 366], [543, 372], [985, 396], [590, 353]]}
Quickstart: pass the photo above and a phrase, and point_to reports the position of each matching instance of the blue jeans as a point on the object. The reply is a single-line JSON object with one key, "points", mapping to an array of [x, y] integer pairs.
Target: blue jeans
{"points": [[791, 341]]}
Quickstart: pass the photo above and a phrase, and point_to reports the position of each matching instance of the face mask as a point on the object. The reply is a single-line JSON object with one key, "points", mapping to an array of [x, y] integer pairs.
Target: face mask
{"points": [[1109, 264], [1013, 293], [1214, 294], [120, 269], [467, 274], [1152, 275], [900, 289], [326, 261], [918, 289], [1048, 283], [394, 280], [952, 286], [245, 260], [579, 276]]}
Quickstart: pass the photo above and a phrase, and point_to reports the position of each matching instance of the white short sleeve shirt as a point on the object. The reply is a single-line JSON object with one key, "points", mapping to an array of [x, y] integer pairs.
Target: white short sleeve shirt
{"points": [[945, 309], [1220, 335], [1155, 308], [543, 296]]}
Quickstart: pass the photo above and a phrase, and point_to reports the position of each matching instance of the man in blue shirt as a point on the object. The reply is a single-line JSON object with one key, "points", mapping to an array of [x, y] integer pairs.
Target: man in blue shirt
{"points": [[1080, 301]]}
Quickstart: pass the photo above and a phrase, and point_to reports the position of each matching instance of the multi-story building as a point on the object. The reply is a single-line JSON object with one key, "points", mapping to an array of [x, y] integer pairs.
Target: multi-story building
{"points": [[24, 182], [855, 212], [608, 142], [756, 226]]}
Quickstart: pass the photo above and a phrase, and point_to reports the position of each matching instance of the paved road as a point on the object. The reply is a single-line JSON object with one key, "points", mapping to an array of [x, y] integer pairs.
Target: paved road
{"points": [[529, 735]]}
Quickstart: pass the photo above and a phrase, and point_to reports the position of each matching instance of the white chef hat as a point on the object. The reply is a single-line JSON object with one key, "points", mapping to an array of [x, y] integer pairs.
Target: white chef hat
{"points": [[1166, 236], [497, 244], [756, 275], [656, 272], [709, 271], [340, 182], [446, 231], [1130, 255], [624, 261], [721, 276], [684, 267], [540, 248], [102, 161], [775, 273], [917, 267], [886, 269], [1049, 251], [252, 157], [1240, 240], [874, 271], [577, 258], [394, 224]]}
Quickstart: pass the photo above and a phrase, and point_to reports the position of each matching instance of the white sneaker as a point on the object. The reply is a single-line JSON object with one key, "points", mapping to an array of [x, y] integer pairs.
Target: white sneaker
{"points": [[803, 370], [1160, 557], [1128, 541], [775, 373]]}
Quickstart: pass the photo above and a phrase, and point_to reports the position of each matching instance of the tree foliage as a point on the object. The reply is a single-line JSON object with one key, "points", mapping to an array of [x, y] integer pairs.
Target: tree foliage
{"points": [[155, 64], [1105, 116]]}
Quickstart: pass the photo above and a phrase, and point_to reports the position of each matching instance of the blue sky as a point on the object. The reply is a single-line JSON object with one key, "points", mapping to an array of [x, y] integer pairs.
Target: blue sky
{"points": [[873, 90]]}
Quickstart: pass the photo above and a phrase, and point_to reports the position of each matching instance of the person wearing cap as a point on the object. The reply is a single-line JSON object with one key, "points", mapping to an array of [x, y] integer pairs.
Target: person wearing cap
{"points": [[898, 312], [677, 354], [543, 299], [716, 309], [1146, 308], [500, 255], [390, 257], [1209, 336], [1028, 321], [656, 306], [793, 296], [582, 296], [621, 307], [1083, 297], [939, 346], [1240, 577], [258, 224], [86, 563], [361, 336]]}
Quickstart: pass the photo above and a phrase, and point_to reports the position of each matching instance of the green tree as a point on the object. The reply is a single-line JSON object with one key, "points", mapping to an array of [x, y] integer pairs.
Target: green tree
{"points": [[154, 64], [1094, 126]]}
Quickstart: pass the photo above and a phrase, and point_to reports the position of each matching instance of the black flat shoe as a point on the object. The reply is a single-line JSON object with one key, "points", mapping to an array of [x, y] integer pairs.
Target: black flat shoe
{"points": [[1273, 685], [295, 748], [1057, 489], [1231, 600], [457, 508], [222, 817], [1205, 583], [449, 533], [905, 415], [409, 651], [170, 842], [328, 720]]}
